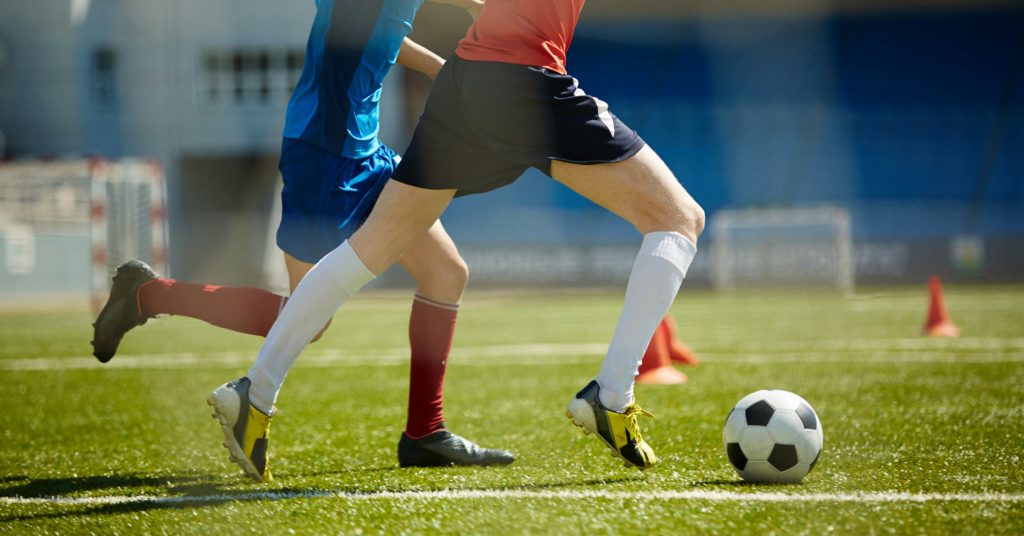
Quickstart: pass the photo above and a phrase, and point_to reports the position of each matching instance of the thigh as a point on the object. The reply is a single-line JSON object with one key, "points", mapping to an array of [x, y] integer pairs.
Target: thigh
{"points": [[297, 269], [640, 189], [402, 215]]}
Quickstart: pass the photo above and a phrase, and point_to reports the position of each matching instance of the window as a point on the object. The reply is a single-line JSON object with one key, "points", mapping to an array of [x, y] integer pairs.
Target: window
{"points": [[104, 77], [249, 77]]}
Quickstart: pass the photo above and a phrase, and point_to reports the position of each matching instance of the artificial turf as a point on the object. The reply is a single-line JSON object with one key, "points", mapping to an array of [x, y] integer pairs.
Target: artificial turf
{"points": [[926, 418]]}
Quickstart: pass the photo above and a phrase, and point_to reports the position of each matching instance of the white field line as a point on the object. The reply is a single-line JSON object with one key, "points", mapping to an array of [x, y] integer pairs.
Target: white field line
{"points": [[897, 352], [918, 343], [524, 354], [571, 495]]}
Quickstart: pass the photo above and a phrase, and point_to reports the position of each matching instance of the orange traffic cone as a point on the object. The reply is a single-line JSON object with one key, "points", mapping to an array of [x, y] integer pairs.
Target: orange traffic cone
{"points": [[657, 364], [938, 323], [677, 349]]}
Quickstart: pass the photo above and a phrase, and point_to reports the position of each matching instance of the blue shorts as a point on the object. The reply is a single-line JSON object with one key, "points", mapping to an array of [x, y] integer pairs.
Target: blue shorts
{"points": [[326, 197]]}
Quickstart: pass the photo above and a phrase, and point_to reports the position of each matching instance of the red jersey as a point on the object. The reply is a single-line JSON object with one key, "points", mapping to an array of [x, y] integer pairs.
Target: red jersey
{"points": [[524, 32]]}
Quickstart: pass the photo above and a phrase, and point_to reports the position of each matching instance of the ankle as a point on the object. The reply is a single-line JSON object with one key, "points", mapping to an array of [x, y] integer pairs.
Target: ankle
{"points": [[262, 391], [614, 401]]}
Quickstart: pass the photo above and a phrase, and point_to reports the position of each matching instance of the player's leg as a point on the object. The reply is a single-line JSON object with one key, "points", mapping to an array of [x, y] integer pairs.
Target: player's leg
{"points": [[402, 215], [296, 271], [323, 200], [434, 262], [545, 120], [441, 275], [138, 294], [642, 190], [335, 277]]}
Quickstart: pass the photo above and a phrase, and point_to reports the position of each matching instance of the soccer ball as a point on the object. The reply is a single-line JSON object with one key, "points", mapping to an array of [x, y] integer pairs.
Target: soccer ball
{"points": [[772, 437]]}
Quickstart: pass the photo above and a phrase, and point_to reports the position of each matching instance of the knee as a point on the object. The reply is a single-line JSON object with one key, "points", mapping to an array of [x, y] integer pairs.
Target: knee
{"points": [[446, 280], [681, 215], [460, 274], [455, 276], [693, 218]]}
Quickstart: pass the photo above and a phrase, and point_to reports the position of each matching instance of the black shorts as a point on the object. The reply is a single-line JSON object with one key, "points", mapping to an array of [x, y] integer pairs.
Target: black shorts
{"points": [[486, 123]]}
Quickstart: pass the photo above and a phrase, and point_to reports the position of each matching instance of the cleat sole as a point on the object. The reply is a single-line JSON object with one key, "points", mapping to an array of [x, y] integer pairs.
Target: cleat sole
{"points": [[577, 423], [235, 453]]}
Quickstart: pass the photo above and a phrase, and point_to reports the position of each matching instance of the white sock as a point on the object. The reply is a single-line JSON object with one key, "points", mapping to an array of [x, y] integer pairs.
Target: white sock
{"points": [[657, 273], [328, 285]]}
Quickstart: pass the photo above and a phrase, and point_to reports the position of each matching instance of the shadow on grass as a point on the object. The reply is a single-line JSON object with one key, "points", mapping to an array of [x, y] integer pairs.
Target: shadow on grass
{"points": [[28, 487], [198, 485], [198, 497], [197, 491]]}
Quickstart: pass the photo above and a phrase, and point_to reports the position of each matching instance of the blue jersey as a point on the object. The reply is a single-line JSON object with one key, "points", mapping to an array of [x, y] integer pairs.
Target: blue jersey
{"points": [[351, 47]]}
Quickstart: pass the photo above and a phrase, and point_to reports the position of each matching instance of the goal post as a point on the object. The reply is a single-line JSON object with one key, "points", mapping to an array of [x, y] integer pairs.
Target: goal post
{"points": [[782, 247], [128, 219], [66, 225]]}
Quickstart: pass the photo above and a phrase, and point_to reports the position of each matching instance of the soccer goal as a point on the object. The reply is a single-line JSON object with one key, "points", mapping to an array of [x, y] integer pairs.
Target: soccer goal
{"points": [[65, 225], [782, 247]]}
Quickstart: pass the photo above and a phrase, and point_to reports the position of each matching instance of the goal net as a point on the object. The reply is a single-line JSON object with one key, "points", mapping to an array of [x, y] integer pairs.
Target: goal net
{"points": [[65, 226], [782, 247]]}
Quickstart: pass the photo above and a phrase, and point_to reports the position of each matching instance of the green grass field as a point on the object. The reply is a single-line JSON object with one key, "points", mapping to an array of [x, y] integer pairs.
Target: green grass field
{"points": [[921, 435]]}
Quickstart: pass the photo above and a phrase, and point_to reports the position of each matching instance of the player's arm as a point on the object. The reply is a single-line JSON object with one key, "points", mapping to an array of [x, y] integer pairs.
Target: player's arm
{"points": [[474, 7], [419, 58]]}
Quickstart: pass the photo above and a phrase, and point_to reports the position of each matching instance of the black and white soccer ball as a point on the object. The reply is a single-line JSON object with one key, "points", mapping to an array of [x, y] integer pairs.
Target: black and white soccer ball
{"points": [[773, 437]]}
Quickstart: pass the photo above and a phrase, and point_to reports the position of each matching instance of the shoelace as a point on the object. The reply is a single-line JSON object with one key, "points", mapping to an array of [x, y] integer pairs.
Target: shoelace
{"points": [[631, 411]]}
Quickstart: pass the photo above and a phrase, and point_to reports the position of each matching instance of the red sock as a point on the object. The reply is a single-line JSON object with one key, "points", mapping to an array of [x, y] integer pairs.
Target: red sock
{"points": [[243, 309], [431, 329]]}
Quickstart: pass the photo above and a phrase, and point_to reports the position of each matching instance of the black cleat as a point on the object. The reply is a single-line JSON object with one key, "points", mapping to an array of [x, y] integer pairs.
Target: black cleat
{"points": [[121, 313], [443, 448]]}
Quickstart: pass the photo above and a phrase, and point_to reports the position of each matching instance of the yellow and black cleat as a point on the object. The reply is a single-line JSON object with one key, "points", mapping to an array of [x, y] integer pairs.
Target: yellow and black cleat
{"points": [[246, 429], [620, 431]]}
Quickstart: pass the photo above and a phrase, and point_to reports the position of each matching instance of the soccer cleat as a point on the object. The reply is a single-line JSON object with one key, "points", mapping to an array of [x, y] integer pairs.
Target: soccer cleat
{"points": [[620, 431], [246, 429], [443, 448], [121, 313]]}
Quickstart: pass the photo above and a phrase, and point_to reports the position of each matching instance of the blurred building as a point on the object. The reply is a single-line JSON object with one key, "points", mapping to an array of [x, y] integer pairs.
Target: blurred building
{"points": [[199, 86], [910, 114]]}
